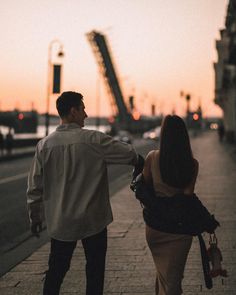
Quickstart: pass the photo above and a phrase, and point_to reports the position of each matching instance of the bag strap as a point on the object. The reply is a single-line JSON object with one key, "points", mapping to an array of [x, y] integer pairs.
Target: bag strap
{"points": [[213, 239], [205, 263]]}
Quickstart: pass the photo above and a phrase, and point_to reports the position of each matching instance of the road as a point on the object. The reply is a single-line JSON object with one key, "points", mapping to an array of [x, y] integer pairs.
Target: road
{"points": [[16, 241]]}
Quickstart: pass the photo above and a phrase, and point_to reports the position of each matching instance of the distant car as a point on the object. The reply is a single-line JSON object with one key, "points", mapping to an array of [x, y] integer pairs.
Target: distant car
{"points": [[153, 133], [124, 136]]}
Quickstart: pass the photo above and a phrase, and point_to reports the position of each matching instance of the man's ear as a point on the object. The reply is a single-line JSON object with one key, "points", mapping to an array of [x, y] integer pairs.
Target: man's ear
{"points": [[73, 111]]}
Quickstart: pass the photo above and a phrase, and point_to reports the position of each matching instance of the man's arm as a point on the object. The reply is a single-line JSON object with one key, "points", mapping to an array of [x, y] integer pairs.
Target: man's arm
{"points": [[34, 195], [117, 152]]}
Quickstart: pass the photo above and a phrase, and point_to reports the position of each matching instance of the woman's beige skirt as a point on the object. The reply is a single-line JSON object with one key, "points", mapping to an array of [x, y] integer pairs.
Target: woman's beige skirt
{"points": [[169, 253]]}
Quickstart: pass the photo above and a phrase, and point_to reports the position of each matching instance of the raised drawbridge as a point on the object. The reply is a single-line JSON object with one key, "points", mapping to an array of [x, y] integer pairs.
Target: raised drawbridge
{"points": [[124, 119]]}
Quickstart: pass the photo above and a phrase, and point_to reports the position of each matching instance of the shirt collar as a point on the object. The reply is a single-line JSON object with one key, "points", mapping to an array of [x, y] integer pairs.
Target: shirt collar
{"points": [[68, 126]]}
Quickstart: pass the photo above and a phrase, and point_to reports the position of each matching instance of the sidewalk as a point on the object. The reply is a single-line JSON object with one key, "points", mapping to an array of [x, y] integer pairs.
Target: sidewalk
{"points": [[129, 268]]}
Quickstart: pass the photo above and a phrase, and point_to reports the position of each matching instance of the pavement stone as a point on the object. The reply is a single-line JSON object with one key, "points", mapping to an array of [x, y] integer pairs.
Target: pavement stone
{"points": [[129, 266]]}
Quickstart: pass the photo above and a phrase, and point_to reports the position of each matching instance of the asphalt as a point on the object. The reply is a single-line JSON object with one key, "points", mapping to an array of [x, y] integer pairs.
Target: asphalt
{"points": [[17, 153], [129, 266]]}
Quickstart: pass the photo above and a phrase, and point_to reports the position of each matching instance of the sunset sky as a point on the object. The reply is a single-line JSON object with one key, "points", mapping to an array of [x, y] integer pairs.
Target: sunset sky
{"points": [[159, 48]]}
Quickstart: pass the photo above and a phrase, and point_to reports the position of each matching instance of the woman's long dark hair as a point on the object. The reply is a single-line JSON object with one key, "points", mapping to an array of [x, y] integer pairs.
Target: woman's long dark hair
{"points": [[176, 159]]}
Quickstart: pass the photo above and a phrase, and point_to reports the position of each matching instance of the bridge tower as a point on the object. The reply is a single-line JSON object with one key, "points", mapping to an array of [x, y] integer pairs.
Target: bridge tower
{"points": [[103, 56]]}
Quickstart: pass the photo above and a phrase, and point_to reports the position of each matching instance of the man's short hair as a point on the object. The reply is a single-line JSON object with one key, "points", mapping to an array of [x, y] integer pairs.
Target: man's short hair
{"points": [[66, 101]]}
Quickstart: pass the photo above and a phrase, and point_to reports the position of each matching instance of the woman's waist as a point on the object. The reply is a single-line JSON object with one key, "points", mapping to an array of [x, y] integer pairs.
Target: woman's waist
{"points": [[173, 220], [162, 190], [164, 236]]}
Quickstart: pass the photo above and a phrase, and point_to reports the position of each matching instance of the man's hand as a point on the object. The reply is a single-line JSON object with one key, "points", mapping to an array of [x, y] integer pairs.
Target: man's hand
{"points": [[36, 228]]}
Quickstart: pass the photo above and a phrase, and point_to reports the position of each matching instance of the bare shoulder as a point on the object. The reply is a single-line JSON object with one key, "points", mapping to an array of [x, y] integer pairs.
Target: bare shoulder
{"points": [[151, 154]]}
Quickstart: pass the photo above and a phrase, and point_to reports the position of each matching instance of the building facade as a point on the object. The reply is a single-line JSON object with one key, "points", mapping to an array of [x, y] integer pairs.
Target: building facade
{"points": [[225, 72]]}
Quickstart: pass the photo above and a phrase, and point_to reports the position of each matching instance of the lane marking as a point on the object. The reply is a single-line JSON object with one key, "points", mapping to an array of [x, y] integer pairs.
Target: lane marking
{"points": [[13, 178]]}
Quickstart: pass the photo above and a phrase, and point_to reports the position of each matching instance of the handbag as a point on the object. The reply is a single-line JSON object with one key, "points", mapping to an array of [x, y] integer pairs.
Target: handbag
{"points": [[215, 258]]}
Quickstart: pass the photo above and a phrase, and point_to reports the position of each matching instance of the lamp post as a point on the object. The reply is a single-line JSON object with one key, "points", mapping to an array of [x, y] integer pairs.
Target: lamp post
{"points": [[60, 53], [188, 98], [98, 102]]}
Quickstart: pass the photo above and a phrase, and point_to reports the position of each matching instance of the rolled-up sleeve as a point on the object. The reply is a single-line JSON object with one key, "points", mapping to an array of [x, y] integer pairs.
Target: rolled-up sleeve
{"points": [[35, 189], [117, 152]]}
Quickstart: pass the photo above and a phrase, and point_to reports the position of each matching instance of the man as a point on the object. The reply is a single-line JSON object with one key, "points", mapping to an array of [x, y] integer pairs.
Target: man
{"points": [[221, 130], [68, 177], [9, 142]]}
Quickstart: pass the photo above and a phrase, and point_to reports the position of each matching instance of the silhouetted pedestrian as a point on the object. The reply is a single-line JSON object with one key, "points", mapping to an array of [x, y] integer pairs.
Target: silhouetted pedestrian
{"points": [[9, 142], [69, 177], [171, 173], [221, 131], [1, 143], [170, 170]]}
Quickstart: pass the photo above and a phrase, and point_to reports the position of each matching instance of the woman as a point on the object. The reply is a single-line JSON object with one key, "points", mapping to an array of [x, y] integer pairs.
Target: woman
{"points": [[170, 170]]}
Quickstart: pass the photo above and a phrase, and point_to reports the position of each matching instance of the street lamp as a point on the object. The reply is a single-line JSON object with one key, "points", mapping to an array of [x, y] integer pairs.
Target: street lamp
{"points": [[60, 54], [188, 98], [98, 102]]}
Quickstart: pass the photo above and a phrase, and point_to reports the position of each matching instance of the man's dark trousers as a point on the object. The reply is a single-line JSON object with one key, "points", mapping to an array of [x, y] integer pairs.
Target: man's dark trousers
{"points": [[95, 248]]}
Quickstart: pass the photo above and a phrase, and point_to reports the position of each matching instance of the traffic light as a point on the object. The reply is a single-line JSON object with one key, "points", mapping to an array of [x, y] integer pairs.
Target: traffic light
{"points": [[21, 116], [188, 97], [131, 103], [194, 120], [25, 122], [196, 116]]}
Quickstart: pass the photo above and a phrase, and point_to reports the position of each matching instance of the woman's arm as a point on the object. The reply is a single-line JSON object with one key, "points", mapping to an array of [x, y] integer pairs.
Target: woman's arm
{"points": [[147, 172]]}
